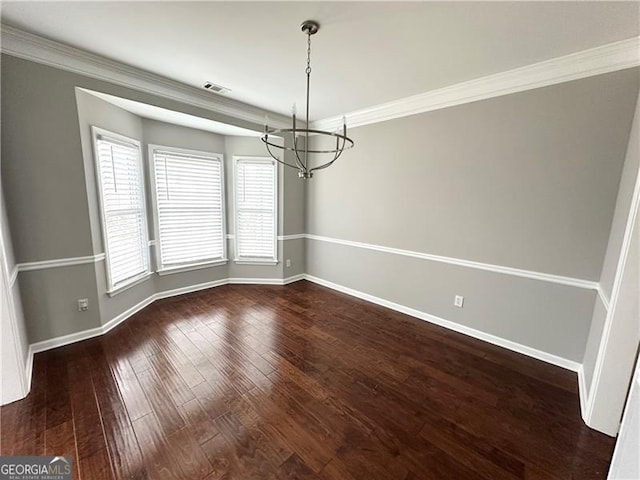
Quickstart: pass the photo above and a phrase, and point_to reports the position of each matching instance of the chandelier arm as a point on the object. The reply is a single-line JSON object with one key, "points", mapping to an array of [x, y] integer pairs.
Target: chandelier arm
{"points": [[295, 144], [278, 160], [339, 151], [301, 165], [328, 164], [319, 132]]}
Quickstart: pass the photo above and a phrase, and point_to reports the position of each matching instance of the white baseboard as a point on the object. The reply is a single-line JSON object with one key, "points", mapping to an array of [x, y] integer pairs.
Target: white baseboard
{"points": [[265, 281], [584, 394], [501, 342], [188, 289], [64, 340], [114, 322], [293, 278], [487, 337]]}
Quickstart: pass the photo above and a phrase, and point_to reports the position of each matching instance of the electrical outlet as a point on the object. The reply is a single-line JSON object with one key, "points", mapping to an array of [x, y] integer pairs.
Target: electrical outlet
{"points": [[83, 304], [288, 262], [458, 301]]}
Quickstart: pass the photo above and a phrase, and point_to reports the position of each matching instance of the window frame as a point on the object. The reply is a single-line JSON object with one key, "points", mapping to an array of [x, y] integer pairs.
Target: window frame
{"points": [[256, 260], [135, 280], [156, 217]]}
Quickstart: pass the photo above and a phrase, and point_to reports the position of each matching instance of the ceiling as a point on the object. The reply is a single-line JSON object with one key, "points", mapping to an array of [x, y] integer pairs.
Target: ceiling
{"points": [[365, 53], [170, 116]]}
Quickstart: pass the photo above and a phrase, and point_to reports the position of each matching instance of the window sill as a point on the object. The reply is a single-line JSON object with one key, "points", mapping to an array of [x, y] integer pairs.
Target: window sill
{"points": [[132, 283], [195, 266], [255, 262]]}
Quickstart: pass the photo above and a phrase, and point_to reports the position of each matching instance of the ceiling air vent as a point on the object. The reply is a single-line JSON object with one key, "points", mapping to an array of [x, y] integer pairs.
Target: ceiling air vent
{"points": [[215, 88]]}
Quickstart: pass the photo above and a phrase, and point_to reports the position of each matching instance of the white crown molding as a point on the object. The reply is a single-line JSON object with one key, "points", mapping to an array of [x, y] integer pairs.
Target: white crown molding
{"points": [[456, 327], [545, 277], [35, 48], [595, 61]]}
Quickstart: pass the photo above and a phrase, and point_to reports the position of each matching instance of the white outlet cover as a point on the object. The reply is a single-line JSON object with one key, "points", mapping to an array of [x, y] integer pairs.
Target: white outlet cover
{"points": [[458, 301]]}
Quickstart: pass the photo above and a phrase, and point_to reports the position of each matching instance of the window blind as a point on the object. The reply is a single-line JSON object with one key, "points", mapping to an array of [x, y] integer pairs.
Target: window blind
{"points": [[255, 209], [123, 210], [189, 208]]}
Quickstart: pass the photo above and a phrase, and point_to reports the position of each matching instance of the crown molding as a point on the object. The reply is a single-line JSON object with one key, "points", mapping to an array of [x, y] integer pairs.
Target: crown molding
{"points": [[35, 48], [595, 61]]}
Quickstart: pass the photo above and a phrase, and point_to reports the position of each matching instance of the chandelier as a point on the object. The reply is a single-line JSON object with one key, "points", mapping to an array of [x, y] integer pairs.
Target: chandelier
{"points": [[301, 154]]}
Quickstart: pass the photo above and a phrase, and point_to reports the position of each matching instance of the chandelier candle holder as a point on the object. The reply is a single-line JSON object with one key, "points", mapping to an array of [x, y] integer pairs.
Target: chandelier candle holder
{"points": [[301, 154]]}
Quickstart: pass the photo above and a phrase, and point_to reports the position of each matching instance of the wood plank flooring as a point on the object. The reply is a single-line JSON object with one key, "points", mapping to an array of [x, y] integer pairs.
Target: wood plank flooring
{"points": [[299, 382]]}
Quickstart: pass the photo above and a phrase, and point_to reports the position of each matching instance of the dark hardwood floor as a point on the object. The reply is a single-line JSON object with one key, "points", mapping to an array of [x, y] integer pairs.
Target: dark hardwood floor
{"points": [[301, 382]]}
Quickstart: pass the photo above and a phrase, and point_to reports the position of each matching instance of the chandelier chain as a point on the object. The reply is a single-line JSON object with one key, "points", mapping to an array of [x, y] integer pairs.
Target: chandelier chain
{"points": [[308, 70], [301, 155]]}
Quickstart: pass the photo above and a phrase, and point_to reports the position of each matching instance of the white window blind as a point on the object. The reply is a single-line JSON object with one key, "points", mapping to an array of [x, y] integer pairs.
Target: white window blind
{"points": [[123, 209], [255, 209], [189, 207]]}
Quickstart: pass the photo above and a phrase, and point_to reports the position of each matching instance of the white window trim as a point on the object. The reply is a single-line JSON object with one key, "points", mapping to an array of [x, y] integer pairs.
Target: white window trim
{"points": [[248, 260], [111, 290], [256, 262], [133, 281], [193, 266], [156, 220]]}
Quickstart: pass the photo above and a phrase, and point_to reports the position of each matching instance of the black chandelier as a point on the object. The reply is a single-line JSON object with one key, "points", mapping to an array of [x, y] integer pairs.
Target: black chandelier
{"points": [[309, 27]]}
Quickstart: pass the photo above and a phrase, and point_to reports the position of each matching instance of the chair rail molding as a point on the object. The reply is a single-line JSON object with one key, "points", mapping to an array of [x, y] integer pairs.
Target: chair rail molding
{"points": [[59, 262], [586, 63], [35, 48], [518, 272]]}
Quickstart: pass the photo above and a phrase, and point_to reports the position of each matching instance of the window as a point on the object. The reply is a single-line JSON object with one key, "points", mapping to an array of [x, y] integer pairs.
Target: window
{"points": [[255, 209], [189, 208], [122, 206]]}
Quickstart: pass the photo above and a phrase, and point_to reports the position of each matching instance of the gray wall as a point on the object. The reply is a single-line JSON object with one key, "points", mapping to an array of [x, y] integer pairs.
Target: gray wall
{"points": [[249, 146], [549, 317], [169, 135], [291, 213], [93, 111], [526, 180], [47, 172]]}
